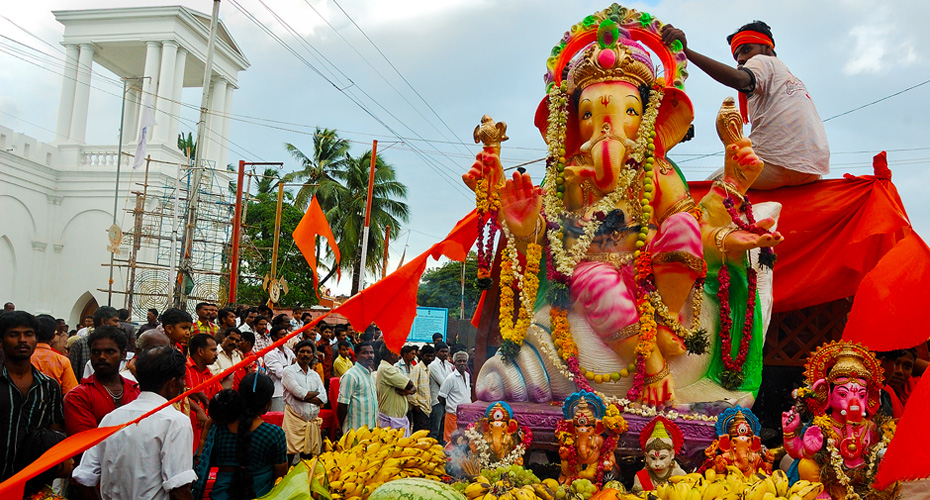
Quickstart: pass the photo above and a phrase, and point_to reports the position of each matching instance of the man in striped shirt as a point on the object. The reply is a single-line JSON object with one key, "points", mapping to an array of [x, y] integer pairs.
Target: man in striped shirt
{"points": [[358, 396], [29, 399]]}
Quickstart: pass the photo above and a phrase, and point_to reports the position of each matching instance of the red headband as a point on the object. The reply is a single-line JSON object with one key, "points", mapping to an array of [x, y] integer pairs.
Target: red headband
{"points": [[744, 37]]}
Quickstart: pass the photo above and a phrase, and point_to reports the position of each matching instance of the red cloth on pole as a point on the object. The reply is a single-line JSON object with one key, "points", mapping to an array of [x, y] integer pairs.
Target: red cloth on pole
{"points": [[908, 453], [311, 225], [391, 302]]}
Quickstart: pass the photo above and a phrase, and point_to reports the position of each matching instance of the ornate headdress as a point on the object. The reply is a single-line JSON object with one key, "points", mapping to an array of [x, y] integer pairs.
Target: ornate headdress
{"points": [[842, 360], [494, 407], [583, 401], [662, 428], [734, 415], [609, 44]]}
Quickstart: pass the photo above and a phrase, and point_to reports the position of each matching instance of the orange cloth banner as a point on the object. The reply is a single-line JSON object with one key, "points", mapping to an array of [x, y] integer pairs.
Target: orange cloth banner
{"points": [[311, 225]]}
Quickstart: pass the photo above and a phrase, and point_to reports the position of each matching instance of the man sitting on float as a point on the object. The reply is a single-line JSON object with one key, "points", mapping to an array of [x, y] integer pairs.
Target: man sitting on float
{"points": [[787, 133]]}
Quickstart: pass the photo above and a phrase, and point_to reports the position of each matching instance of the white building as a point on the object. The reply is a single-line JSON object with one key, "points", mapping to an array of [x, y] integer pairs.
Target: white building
{"points": [[57, 198]]}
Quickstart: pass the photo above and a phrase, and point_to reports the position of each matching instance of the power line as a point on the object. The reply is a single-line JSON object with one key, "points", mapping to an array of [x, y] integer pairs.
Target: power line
{"points": [[373, 44], [878, 101]]}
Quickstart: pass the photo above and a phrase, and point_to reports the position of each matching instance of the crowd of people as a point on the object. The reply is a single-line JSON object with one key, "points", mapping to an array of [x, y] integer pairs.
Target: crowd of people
{"points": [[57, 382]]}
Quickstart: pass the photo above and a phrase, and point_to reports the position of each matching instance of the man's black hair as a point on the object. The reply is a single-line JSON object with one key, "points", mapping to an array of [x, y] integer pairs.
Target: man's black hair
{"points": [[437, 335], [222, 313], [384, 351], [441, 345], [104, 313], [277, 328], [202, 305], [407, 348], [280, 319], [304, 343], [427, 349], [154, 312], [123, 314], [47, 328], [343, 343], [358, 348], [248, 337], [759, 26], [230, 331], [158, 365], [174, 316], [199, 341], [14, 319], [115, 333], [340, 328]]}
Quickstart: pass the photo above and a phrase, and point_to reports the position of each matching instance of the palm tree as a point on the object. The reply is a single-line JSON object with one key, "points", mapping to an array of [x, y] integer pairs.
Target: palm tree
{"points": [[330, 155], [348, 217], [188, 146]]}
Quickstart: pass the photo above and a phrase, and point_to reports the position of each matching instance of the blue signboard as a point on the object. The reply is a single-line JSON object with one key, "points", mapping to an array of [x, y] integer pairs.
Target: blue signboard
{"points": [[429, 320]]}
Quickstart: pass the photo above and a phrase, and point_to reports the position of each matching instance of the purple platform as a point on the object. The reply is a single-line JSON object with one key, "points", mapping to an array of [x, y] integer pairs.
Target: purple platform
{"points": [[542, 418]]}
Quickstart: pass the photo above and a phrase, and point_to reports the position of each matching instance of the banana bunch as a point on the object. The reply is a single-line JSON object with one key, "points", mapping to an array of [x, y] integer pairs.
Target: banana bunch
{"points": [[483, 488], [364, 459], [736, 486]]}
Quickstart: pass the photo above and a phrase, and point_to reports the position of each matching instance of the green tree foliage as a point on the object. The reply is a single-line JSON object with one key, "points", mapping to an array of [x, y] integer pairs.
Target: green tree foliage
{"points": [[330, 154], [256, 251], [442, 287], [340, 182]]}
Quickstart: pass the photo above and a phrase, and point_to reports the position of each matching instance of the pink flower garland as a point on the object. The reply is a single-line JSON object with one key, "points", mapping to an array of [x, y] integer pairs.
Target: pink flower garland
{"points": [[726, 323]]}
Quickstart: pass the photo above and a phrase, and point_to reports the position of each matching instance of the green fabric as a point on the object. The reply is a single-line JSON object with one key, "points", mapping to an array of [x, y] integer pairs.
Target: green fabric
{"points": [[680, 175], [294, 486], [739, 292]]}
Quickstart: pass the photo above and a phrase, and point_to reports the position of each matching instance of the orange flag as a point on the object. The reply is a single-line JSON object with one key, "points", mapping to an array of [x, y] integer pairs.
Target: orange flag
{"points": [[392, 302], [314, 224]]}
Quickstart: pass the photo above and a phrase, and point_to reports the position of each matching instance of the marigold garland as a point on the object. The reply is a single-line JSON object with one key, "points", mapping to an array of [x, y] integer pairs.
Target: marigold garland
{"points": [[513, 333], [487, 203]]}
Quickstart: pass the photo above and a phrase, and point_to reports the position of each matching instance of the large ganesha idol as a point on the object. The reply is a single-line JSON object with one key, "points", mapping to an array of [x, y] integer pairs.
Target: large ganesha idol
{"points": [[604, 275], [834, 431]]}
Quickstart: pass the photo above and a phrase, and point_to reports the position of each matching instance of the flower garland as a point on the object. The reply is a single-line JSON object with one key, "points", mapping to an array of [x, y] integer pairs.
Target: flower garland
{"points": [[487, 203], [836, 460], [483, 448], [648, 329], [766, 254], [732, 376], [513, 333]]}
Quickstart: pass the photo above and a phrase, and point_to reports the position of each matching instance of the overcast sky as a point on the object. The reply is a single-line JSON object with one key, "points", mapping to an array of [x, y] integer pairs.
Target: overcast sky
{"points": [[468, 58]]}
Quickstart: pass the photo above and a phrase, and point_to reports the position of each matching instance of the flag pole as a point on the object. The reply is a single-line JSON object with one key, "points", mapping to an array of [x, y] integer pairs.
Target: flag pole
{"points": [[119, 164], [371, 182]]}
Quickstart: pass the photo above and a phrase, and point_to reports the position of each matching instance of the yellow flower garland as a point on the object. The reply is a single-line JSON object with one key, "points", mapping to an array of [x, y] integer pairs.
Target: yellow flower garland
{"points": [[529, 286]]}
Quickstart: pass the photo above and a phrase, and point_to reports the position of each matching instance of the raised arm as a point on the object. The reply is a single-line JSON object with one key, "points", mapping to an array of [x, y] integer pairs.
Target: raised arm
{"points": [[723, 73]]}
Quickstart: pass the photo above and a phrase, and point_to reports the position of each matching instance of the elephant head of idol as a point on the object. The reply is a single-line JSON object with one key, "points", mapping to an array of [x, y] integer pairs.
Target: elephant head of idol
{"points": [[611, 86]]}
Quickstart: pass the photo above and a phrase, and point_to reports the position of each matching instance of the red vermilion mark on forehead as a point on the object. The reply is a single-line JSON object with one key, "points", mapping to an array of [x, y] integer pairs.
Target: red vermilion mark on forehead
{"points": [[605, 100]]}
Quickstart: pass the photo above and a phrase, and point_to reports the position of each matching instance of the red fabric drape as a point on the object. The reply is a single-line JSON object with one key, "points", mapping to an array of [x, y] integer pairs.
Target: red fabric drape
{"points": [[908, 454], [391, 303], [835, 231], [311, 225]]}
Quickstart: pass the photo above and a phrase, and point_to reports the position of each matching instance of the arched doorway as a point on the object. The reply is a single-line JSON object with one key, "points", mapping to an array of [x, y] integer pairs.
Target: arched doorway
{"points": [[86, 305]]}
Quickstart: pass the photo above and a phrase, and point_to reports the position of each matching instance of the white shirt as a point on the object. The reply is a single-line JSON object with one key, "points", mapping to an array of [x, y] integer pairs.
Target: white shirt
{"points": [[141, 461], [297, 383], [89, 368], [83, 332], [224, 361], [786, 129], [275, 362], [457, 391], [438, 371]]}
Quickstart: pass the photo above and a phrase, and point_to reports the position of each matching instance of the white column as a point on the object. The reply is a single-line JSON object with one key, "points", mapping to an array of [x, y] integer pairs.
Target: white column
{"points": [[224, 141], [179, 66], [215, 122], [66, 103], [150, 77], [131, 120], [169, 52], [82, 93]]}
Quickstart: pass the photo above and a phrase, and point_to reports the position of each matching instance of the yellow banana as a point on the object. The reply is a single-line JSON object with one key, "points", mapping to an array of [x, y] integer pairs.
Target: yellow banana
{"points": [[477, 489], [755, 491], [543, 492], [780, 479]]}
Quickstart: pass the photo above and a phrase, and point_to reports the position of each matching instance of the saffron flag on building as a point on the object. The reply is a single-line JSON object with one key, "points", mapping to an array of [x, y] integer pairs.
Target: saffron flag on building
{"points": [[314, 224], [145, 128]]}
